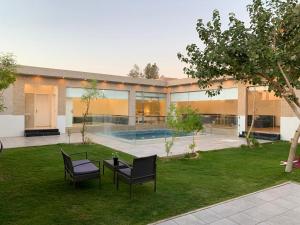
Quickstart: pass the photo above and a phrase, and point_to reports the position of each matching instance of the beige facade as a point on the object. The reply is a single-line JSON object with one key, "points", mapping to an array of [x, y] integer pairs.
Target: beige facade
{"points": [[32, 81]]}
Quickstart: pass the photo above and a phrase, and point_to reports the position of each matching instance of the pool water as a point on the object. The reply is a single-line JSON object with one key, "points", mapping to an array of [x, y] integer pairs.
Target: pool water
{"points": [[145, 134]]}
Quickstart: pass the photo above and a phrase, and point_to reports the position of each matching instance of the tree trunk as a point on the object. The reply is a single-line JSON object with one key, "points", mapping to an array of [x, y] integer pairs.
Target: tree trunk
{"points": [[84, 121], [295, 139], [83, 129], [252, 121], [293, 149]]}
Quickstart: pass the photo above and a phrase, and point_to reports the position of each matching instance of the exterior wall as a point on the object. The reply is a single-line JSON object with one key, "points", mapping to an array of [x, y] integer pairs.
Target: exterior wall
{"points": [[8, 101], [288, 121], [12, 119], [61, 123], [288, 127], [168, 102], [131, 107], [19, 96], [11, 125]]}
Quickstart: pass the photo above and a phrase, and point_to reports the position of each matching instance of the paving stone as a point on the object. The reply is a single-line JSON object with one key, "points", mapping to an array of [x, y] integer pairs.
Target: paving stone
{"points": [[254, 199], [207, 215], [188, 220], [285, 203], [268, 196], [226, 209], [292, 198], [244, 219], [243, 204], [265, 211], [289, 218], [168, 222], [224, 222]]}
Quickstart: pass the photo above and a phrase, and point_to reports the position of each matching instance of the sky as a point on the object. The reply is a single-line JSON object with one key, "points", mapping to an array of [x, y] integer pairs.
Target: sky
{"points": [[106, 36]]}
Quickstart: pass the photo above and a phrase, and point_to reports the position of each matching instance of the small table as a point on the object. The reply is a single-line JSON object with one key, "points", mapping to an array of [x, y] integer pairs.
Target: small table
{"points": [[109, 163]]}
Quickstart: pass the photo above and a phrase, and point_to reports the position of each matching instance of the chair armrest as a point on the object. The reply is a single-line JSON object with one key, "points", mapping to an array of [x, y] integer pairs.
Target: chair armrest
{"points": [[150, 175], [79, 153], [98, 161], [126, 164]]}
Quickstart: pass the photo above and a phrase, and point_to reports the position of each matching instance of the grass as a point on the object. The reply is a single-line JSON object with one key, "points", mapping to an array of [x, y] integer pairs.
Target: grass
{"points": [[33, 191]]}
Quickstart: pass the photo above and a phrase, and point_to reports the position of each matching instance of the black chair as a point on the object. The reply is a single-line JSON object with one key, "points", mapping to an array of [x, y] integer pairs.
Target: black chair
{"points": [[1, 146], [142, 170], [80, 170]]}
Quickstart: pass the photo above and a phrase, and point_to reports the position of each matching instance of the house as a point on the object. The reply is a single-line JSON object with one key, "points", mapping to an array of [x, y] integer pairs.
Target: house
{"points": [[45, 100]]}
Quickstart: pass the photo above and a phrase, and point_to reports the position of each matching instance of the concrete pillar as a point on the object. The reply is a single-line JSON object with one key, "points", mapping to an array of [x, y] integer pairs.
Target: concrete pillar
{"points": [[168, 102], [131, 107], [242, 108]]}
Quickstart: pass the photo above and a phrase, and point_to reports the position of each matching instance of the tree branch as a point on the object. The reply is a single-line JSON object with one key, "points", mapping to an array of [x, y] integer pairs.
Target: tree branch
{"points": [[291, 89]]}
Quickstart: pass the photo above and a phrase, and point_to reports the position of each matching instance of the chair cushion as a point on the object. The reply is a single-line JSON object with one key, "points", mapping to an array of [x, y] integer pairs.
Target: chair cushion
{"points": [[125, 171], [85, 169], [77, 162]]}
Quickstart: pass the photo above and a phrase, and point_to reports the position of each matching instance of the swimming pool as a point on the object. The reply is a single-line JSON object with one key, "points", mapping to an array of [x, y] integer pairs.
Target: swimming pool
{"points": [[145, 134]]}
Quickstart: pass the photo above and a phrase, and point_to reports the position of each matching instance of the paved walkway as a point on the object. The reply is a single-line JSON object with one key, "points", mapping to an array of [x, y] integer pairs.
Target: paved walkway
{"points": [[279, 205], [139, 148], [14, 142], [205, 142]]}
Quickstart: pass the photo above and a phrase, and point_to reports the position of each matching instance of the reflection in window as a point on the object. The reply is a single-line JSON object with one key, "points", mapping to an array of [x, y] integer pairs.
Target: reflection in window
{"points": [[265, 107], [111, 107], [150, 107], [219, 110]]}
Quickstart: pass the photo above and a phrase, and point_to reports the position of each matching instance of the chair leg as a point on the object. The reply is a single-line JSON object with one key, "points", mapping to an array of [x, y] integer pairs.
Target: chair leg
{"points": [[117, 183], [99, 180], [103, 169], [155, 185], [65, 176], [130, 187]]}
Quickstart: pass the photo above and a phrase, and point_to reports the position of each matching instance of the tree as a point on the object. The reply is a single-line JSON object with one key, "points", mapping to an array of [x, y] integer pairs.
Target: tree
{"points": [[267, 53], [90, 93], [7, 75], [135, 72], [151, 71], [185, 120]]}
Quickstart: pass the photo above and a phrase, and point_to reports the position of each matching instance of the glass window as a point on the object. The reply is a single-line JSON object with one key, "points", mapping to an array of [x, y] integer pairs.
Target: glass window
{"points": [[150, 107], [266, 109], [111, 106], [218, 111]]}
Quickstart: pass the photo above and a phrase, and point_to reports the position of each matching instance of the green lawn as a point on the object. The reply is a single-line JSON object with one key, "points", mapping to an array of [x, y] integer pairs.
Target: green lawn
{"points": [[33, 190]]}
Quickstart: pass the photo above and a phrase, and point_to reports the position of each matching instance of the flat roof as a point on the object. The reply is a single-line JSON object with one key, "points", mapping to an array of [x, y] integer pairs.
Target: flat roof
{"points": [[71, 74]]}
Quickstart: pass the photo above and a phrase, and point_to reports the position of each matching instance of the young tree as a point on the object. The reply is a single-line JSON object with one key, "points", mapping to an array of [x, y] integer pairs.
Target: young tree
{"points": [[186, 120], [248, 137], [90, 93], [135, 72], [267, 53], [151, 71], [7, 75]]}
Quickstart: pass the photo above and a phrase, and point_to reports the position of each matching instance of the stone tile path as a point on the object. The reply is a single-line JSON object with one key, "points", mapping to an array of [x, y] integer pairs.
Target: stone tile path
{"points": [[141, 148], [14, 142], [279, 205], [137, 148]]}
